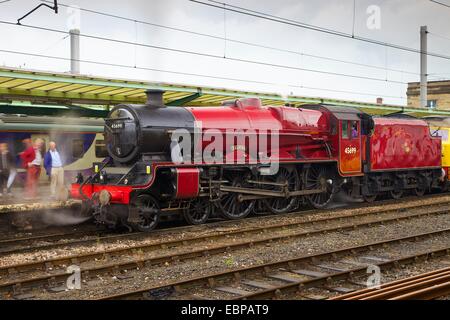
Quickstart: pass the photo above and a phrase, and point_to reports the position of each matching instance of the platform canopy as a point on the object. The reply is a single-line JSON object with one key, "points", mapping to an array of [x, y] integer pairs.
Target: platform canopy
{"points": [[43, 93]]}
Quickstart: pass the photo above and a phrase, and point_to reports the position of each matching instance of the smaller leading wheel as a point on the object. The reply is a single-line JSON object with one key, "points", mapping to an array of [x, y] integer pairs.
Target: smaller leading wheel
{"points": [[396, 194], [370, 198], [145, 213], [198, 212], [420, 192]]}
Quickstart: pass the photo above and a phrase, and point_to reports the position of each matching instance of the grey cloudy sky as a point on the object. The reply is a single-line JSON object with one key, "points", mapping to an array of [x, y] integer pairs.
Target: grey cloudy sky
{"points": [[400, 23]]}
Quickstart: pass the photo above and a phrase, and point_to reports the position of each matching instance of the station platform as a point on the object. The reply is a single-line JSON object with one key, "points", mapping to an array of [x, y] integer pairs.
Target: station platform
{"points": [[17, 203], [21, 214], [34, 205]]}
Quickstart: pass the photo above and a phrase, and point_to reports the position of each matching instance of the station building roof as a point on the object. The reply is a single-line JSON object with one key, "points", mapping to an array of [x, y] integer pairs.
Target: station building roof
{"points": [[46, 93]]}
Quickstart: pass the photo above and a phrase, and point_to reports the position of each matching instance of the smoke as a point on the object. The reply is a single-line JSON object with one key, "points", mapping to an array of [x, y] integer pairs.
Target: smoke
{"points": [[61, 218], [342, 199], [43, 219]]}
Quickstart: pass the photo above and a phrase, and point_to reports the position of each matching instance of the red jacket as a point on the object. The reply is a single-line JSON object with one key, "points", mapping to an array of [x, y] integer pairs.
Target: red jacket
{"points": [[28, 156]]}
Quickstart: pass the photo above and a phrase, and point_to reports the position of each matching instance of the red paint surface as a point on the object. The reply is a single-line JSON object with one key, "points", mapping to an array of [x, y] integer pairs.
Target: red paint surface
{"points": [[403, 144], [119, 194], [303, 136], [301, 129], [188, 183]]}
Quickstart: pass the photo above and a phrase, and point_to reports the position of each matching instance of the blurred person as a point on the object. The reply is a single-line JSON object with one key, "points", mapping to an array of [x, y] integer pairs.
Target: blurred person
{"points": [[32, 161], [53, 165], [28, 154], [7, 169]]}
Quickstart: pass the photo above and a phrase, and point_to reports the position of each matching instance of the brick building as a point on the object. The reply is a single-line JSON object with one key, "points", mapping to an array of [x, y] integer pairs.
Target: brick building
{"points": [[438, 94]]}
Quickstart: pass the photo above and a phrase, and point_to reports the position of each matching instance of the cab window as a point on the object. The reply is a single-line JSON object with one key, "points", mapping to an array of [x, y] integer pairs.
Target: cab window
{"points": [[354, 129], [345, 129]]}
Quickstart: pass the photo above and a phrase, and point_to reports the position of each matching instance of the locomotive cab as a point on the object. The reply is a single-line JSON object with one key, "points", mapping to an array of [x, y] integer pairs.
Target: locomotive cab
{"points": [[348, 136]]}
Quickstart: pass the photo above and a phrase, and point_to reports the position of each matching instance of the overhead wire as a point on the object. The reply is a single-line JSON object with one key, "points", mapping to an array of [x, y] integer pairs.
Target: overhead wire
{"points": [[270, 17], [231, 40], [209, 55], [190, 74]]}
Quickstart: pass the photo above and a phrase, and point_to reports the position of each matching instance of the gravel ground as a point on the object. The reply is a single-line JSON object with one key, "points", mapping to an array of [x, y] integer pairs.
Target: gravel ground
{"points": [[402, 272], [357, 261], [158, 275], [212, 229]]}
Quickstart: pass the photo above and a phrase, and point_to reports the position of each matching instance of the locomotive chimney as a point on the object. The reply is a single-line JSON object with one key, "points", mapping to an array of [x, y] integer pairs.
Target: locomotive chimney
{"points": [[155, 98]]}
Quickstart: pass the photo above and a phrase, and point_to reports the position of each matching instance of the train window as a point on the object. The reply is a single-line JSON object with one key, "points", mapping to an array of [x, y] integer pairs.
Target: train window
{"points": [[345, 129], [77, 148], [100, 149], [432, 104]]}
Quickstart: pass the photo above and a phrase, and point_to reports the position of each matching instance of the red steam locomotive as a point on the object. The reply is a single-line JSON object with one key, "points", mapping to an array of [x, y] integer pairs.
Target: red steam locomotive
{"points": [[244, 157]]}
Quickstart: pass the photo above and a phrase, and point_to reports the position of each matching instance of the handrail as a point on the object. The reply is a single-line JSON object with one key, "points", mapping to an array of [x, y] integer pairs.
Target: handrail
{"points": [[90, 178], [126, 175]]}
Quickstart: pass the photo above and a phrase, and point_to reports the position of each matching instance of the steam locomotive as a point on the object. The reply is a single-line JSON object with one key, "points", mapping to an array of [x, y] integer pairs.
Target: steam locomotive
{"points": [[244, 157]]}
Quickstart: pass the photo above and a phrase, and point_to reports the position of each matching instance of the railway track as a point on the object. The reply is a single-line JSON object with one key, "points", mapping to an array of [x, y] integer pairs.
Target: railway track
{"points": [[427, 286], [257, 282], [93, 237], [53, 277], [24, 244]]}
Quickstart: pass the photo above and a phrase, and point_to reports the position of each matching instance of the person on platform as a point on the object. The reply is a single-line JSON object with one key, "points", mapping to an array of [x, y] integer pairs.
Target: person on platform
{"points": [[7, 168], [32, 161], [53, 165]]}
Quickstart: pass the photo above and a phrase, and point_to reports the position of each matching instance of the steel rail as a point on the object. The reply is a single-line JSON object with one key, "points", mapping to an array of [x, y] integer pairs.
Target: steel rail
{"points": [[411, 289], [138, 250], [408, 287], [297, 287], [429, 293], [289, 264], [53, 278], [13, 243], [164, 244]]}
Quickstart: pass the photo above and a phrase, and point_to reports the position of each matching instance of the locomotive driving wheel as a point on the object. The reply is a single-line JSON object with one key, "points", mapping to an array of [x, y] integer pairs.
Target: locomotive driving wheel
{"points": [[144, 213], [231, 205], [198, 212], [317, 177], [290, 178]]}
